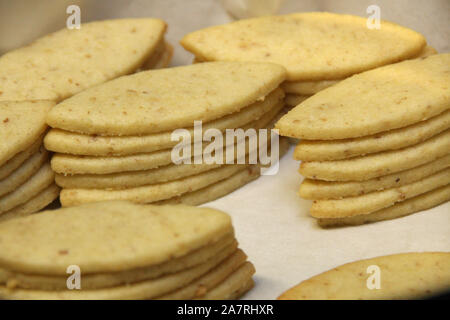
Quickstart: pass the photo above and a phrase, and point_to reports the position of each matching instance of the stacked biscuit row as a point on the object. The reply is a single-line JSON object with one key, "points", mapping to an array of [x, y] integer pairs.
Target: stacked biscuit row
{"points": [[116, 141], [318, 49], [376, 156], [51, 69], [26, 179], [152, 252]]}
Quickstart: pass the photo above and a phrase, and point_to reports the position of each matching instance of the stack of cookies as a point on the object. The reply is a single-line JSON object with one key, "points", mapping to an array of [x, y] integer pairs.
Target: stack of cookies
{"points": [[318, 49], [53, 68], [136, 252], [376, 146], [115, 141], [26, 179]]}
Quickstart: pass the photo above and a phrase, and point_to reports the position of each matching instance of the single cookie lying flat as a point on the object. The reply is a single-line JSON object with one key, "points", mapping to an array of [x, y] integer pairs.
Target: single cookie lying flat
{"points": [[311, 46], [402, 276]]}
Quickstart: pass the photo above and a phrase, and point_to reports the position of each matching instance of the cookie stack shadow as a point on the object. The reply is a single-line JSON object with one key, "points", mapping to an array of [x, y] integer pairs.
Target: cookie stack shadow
{"points": [[26, 179], [115, 141], [377, 157], [153, 252]]}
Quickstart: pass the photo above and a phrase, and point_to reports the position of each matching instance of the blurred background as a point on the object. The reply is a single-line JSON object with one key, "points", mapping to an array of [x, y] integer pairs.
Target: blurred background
{"points": [[22, 21]]}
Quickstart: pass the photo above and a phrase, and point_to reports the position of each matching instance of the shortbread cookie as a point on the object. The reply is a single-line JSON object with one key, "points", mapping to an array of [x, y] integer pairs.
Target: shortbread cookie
{"points": [[24, 172], [79, 144], [198, 288], [16, 161], [311, 46], [43, 178], [33, 205], [377, 200], [401, 276], [423, 202], [145, 102], [378, 164], [63, 63], [373, 101], [21, 124], [149, 193], [70, 164], [316, 150], [320, 190], [224, 247], [47, 243]]}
